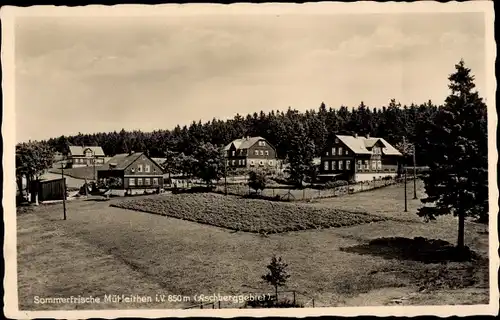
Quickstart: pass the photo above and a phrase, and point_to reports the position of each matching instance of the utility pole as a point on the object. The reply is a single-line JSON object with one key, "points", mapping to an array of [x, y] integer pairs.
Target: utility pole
{"points": [[406, 201], [93, 162], [414, 174], [64, 190], [225, 176]]}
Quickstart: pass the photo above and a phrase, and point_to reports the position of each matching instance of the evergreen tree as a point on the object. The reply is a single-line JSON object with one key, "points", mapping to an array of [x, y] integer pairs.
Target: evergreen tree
{"points": [[458, 179], [301, 153]]}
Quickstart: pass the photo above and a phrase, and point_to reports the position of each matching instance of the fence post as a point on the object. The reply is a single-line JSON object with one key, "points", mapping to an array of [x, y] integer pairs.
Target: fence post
{"points": [[213, 305], [219, 304], [313, 302], [294, 297]]}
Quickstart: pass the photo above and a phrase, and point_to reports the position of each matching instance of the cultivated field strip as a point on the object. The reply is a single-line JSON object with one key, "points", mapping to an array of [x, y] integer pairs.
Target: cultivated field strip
{"points": [[248, 215]]}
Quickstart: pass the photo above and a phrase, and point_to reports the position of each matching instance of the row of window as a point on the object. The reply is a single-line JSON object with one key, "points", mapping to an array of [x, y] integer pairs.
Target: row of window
{"points": [[340, 165], [80, 160], [338, 151], [375, 165], [147, 168], [142, 181], [242, 162], [262, 143], [257, 152]]}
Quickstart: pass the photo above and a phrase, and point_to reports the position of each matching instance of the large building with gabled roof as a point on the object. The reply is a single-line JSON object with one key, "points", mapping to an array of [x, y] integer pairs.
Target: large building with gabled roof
{"points": [[85, 156], [250, 152], [134, 170], [359, 158]]}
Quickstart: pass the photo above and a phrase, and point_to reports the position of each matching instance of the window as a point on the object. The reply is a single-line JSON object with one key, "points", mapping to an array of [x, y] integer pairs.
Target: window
{"points": [[252, 162], [139, 168], [340, 151], [239, 162], [131, 181], [261, 152], [346, 152], [132, 170], [243, 161], [270, 162], [233, 153], [379, 164], [327, 153], [139, 181], [256, 152], [234, 162], [341, 165], [348, 164], [262, 143], [334, 165], [227, 162], [325, 165], [360, 165], [147, 168], [367, 164], [147, 181], [261, 162], [333, 152], [155, 181], [267, 153]]}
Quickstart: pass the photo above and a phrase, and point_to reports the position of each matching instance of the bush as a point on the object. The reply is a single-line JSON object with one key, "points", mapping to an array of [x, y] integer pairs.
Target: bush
{"points": [[336, 184], [257, 180]]}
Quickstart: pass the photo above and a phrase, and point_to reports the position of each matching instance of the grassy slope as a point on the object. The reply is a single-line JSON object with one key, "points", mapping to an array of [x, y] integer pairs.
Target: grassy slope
{"points": [[77, 172], [182, 257]]}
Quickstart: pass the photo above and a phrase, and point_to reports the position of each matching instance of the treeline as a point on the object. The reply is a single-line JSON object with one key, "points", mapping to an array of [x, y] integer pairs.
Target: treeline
{"points": [[392, 122]]}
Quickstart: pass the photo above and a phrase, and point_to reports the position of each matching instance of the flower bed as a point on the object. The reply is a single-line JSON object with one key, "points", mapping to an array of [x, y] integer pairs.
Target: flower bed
{"points": [[246, 214]]}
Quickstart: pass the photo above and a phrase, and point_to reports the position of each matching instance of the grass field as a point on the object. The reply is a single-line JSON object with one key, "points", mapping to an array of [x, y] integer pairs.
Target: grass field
{"points": [[102, 249], [249, 215], [78, 172]]}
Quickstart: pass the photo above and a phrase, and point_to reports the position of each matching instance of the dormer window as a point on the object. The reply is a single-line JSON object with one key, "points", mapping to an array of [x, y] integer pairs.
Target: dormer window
{"points": [[139, 168]]}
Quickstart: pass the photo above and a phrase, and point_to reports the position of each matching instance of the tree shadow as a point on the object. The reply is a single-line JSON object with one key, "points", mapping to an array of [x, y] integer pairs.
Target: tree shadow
{"points": [[416, 249]]}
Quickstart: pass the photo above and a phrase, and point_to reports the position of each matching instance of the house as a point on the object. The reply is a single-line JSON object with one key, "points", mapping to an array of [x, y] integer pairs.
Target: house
{"points": [[81, 156], [131, 171], [250, 152], [359, 158]]}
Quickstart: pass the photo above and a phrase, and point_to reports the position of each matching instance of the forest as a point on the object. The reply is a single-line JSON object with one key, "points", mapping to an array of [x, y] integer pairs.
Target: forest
{"points": [[315, 126]]}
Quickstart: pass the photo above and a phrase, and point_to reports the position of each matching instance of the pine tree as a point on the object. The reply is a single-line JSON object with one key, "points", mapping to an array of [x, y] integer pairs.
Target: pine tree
{"points": [[458, 178], [277, 275]]}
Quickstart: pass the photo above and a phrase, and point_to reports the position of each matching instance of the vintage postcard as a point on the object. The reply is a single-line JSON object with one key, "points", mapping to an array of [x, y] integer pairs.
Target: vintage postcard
{"points": [[250, 160]]}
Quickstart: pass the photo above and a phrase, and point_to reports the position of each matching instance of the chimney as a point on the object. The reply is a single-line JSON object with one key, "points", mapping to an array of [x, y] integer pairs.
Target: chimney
{"points": [[367, 136], [355, 135], [131, 152]]}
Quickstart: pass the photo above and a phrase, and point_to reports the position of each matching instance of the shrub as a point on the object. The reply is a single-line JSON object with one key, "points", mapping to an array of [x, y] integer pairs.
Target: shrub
{"points": [[257, 180], [335, 184]]}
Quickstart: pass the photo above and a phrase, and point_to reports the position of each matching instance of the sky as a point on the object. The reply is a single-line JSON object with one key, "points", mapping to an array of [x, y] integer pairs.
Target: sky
{"points": [[99, 74]]}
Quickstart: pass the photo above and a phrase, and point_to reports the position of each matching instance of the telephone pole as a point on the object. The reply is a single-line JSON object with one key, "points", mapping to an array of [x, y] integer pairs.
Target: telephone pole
{"points": [[414, 174], [406, 200], [64, 190]]}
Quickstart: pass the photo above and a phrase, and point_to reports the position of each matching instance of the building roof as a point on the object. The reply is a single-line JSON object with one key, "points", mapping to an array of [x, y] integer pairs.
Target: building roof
{"points": [[79, 150], [243, 143], [360, 144], [121, 161]]}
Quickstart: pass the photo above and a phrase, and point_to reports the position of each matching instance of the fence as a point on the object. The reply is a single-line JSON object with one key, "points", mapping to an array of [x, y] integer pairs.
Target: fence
{"points": [[291, 298], [286, 193]]}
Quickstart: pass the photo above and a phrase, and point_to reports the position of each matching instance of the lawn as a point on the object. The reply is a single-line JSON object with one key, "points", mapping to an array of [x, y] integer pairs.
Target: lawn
{"points": [[250, 215], [78, 172], [102, 249]]}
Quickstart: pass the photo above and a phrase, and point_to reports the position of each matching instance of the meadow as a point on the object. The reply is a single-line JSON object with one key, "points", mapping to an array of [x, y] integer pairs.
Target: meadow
{"points": [[102, 249]]}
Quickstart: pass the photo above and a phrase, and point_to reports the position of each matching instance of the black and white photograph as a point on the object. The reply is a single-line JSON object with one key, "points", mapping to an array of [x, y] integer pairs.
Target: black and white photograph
{"points": [[250, 159]]}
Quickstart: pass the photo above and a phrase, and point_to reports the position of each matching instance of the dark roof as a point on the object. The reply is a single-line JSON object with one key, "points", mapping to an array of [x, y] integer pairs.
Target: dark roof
{"points": [[79, 150], [243, 143], [121, 161]]}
